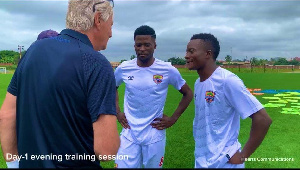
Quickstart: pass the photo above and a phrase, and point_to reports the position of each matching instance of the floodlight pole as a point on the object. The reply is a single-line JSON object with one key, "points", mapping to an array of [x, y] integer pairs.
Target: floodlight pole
{"points": [[20, 48]]}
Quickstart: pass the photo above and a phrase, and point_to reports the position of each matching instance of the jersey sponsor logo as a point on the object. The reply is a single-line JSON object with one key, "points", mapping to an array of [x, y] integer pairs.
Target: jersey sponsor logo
{"points": [[130, 77], [157, 78], [210, 96], [161, 161]]}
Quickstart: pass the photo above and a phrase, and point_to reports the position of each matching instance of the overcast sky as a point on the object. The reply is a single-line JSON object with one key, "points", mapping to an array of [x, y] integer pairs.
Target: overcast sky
{"points": [[262, 29]]}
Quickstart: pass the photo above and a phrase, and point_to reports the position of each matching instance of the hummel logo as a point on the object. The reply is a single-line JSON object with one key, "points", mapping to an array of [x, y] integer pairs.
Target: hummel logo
{"points": [[130, 77]]}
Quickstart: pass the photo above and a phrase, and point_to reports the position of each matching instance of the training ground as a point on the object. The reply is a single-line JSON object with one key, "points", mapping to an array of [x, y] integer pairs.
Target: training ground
{"points": [[280, 149]]}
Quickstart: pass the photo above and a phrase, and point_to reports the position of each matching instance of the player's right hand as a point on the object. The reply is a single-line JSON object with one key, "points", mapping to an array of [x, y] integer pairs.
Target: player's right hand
{"points": [[237, 158], [122, 119]]}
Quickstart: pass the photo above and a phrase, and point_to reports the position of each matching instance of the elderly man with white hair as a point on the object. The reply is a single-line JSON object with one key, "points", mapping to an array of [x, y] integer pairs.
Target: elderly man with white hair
{"points": [[59, 110]]}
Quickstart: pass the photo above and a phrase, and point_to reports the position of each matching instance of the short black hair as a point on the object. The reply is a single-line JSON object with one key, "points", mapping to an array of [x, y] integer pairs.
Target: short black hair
{"points": [[211, 39], [145, 30]]}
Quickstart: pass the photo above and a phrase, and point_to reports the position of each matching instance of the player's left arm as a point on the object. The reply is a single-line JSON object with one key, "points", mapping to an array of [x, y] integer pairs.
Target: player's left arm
{"points": [[261, 122], [247, 106], [166, 121]]}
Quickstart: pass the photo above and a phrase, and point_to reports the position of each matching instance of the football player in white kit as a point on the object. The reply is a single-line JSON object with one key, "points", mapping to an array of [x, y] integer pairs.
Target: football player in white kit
{"points": [[146, 78], [221, 99]]}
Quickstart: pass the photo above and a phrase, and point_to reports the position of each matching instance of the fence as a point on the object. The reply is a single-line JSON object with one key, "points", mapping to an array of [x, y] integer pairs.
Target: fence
{"points": [[263, 68], [247, 68]]}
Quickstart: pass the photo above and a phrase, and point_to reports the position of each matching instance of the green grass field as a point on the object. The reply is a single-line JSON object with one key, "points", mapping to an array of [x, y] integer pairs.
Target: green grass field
{"points": [[282, 140]]}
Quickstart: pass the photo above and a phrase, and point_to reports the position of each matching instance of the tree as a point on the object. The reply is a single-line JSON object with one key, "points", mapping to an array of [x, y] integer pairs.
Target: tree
{"points": [[122, 60], [254, 61], [7, 56], [228, 58], [281, 61], [177, 61], [263, 61], [132, 57], [294, 62]]}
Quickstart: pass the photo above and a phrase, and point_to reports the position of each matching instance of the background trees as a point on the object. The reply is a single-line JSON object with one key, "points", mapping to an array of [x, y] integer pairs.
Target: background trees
{"points": [[7, 56]]}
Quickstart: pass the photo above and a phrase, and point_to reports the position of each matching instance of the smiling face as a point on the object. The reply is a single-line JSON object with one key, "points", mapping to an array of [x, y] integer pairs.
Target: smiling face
{"points": [[197, 54], [144, 47]]}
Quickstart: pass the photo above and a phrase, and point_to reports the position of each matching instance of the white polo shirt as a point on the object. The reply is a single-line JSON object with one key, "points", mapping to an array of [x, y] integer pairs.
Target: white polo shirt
{"points": [[145, 96], [220, 102]]}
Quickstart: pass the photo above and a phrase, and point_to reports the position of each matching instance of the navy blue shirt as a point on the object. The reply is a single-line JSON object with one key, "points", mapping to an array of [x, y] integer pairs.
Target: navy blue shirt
{"points": [[62, 86]]}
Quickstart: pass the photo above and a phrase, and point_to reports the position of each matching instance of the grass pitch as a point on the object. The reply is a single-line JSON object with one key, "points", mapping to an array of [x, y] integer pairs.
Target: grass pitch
{"points": [[282, 140]]}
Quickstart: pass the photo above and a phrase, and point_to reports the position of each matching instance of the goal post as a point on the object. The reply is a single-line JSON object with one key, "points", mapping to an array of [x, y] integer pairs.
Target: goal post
{"points": [[2, 70]]}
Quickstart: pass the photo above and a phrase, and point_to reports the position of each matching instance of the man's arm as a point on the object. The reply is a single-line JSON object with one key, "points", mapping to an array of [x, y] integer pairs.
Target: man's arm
{"points": [[8, 134], [106, 136], [165, 121], [259, 128], [121, 115]]}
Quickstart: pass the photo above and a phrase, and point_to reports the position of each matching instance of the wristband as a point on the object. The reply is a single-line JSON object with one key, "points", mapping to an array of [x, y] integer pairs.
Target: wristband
{"points": [[13, 164]]}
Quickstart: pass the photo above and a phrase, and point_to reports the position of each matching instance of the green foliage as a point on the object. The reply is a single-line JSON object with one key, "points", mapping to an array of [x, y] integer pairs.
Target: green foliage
{"points": [[177, 61], [7, 56], [294, 62], [122, 60], [254, 61], [11, 67], [218, 63], [132, 57], [228, 58], [281, 61]]}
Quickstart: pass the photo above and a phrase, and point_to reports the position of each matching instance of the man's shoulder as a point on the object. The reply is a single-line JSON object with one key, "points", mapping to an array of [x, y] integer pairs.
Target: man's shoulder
{"points": [[162, 63], [95, 60], [228, 77], [224, 74], [128, 64]]}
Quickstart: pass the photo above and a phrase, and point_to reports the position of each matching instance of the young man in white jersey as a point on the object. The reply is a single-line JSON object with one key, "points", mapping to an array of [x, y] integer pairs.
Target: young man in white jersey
{"points": [[143, 137], [221, 99]]}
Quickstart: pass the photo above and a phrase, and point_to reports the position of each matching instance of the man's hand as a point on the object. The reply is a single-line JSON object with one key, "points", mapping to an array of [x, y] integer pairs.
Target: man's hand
{"points": [[163, 123], [237, 158], [122, 119]]}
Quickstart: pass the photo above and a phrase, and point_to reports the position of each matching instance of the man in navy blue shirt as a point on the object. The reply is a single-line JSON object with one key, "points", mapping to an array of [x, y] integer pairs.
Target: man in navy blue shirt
{"points": [[59, 109]]}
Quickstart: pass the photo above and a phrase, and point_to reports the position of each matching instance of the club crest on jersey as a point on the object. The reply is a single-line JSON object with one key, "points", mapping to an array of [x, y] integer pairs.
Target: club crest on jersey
{"points": [[210, 96], [157, 78]]}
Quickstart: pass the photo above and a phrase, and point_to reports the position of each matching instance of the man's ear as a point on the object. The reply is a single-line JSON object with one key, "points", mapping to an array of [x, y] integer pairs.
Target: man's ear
{"points": [[209, 54], [97, 18]]}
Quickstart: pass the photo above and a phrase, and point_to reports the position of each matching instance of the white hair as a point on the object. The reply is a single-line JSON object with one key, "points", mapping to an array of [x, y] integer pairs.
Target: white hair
{"points": [[80, 15]]}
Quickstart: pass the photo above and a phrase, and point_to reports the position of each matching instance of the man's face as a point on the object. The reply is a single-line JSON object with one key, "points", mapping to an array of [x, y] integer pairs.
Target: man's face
{"points": [[144, 47], [106, 31], [196, 54]]}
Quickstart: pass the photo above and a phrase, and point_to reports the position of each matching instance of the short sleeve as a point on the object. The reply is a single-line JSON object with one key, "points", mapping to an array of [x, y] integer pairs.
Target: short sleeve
{"points": [[175, 78], [240, 98], [118, 76], [13, 86], [101, 87]]}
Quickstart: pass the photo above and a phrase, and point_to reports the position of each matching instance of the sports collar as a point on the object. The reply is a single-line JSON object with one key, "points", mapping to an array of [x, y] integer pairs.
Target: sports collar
{"points": [[77, 35]]}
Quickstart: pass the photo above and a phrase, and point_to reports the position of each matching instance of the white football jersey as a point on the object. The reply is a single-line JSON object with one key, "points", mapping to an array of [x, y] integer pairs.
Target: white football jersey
{"points": [[145, 96], [220, 102]]}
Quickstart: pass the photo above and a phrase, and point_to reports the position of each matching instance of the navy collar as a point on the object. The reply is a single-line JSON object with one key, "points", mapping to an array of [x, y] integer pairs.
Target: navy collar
{"points": [[77, 35]]}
